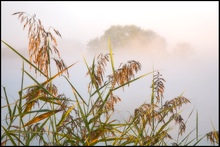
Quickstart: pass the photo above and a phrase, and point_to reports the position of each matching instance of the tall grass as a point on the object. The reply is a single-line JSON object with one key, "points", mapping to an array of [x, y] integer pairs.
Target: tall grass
{"points": [[87, 121]]}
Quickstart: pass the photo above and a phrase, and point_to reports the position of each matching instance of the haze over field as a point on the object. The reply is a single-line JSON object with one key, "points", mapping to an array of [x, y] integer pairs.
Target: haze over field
{"points": [[192, 69]]}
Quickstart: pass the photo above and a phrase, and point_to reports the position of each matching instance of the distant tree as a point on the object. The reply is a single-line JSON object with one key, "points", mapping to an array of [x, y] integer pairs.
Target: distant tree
{"points": [[126, 36], [183, 50]]}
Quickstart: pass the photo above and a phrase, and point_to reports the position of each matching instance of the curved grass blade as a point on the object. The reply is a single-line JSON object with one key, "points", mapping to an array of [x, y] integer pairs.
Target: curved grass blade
{"points": [[65, 115], [48, 80], [23, 58], [34, 111], [42, 116]]}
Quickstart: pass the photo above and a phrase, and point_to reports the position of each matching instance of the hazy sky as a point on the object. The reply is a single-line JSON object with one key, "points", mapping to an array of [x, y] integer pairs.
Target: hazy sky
{"points": [[193, 22], [85, 20]]}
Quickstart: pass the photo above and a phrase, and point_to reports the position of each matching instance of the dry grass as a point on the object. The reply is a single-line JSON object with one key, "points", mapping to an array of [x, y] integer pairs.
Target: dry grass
{"points": [[42, 43]]}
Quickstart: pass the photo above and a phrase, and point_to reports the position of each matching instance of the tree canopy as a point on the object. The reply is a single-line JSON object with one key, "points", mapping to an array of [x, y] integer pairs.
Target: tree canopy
{"points": [[125, 37]]}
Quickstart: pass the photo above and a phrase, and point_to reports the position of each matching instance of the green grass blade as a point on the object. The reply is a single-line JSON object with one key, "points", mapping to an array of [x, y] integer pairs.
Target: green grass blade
{"points": [[75, 91], [38, 130], [8, 134], [111, 56], [186, 137], [131, 81], [23, 58], [65, 115], [8, 105], [197, 141]]}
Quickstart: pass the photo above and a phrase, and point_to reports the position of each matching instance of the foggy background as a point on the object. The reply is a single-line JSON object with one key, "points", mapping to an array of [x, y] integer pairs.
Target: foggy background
{"points": [[195, 73]]}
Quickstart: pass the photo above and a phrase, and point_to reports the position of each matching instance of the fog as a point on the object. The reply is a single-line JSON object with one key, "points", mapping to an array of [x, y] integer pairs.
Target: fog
{"points": [[193, 72]]}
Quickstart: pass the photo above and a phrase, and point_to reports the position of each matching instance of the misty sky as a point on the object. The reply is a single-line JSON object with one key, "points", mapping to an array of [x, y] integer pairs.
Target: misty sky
{"points": [[195, 23]]}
